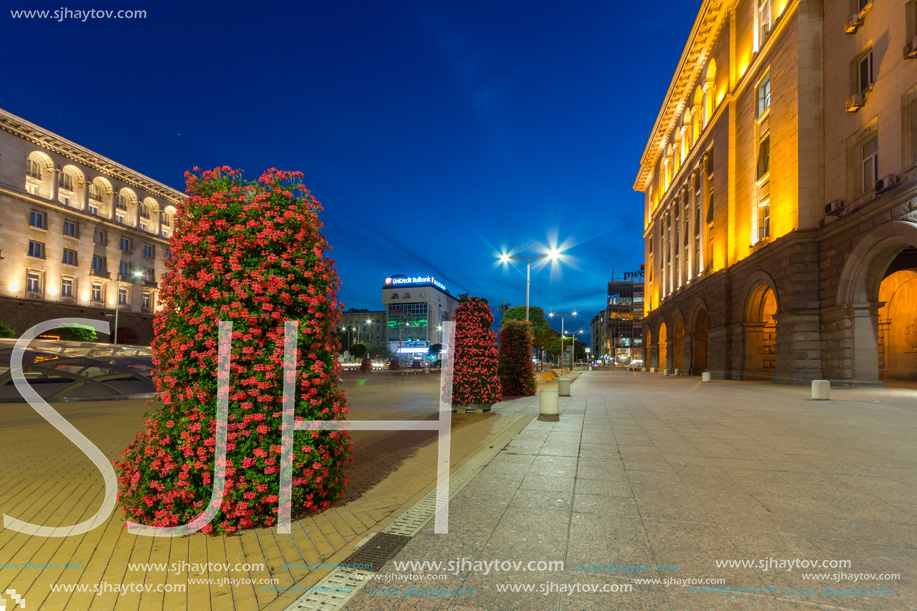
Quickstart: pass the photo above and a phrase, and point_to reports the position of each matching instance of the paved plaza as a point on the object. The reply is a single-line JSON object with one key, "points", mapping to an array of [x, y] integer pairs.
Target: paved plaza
{"points": [[640, 471]]}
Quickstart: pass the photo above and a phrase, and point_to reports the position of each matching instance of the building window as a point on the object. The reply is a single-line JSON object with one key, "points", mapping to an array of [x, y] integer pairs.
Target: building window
{"points": [[65, 181], [764, 96], [149, 274], [33, 169], [708, 219], [123, 269], [125, 244], [762, 177], [146, 301], [764, 21], [764, 210], [119, 218], [864, 72], [98, 237], [93, 210], [36, 249], [148, 251], [33, 282], [909, 121], [96, 294], [66, 288], [98, 263], [69, 257], [38, 220], [70, 229], [869, 152], [121, 201], [64, 199], [122, 296], [95, 193], [143, 226]]}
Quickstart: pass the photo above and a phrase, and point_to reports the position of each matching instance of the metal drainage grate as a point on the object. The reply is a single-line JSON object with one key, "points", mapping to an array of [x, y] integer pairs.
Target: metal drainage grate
{"points": [[332, 592], [377, 551]]}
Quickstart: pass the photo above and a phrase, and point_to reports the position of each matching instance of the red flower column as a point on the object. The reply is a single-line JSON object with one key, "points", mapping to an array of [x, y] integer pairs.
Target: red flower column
{"points": [[474, 379], [251, 253], [515, 368]]}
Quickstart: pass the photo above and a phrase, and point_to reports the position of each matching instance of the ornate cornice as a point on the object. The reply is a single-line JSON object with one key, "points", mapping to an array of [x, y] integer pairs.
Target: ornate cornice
{"points": [[50, 141], [709, 21]]}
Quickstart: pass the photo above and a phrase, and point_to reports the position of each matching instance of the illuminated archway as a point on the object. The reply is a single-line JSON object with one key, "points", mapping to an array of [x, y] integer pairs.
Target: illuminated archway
{"points": [[699, 341], [760, 334], [663, 360], [678, 344]]}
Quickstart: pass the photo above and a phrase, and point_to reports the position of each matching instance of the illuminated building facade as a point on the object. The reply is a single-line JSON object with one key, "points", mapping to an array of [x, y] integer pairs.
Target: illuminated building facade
{"points": [[780, 184], [79, 234], [364, 326], [416, 307]]}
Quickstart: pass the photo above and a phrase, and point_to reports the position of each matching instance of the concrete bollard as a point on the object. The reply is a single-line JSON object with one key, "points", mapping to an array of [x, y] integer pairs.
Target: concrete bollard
{"points": [[563, 387], [549, 403], [665, 372], [677, 372], [821, 390], [705, 377], [652, 370]]}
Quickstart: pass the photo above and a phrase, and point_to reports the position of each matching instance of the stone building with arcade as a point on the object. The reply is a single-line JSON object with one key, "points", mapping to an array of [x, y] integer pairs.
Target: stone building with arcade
{"points": [[780, 184]]}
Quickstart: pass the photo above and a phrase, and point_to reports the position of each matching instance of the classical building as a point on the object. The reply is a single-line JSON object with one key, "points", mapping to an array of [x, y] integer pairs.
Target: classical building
{"points": [[416, 308], [780, 183], [79, 234]]}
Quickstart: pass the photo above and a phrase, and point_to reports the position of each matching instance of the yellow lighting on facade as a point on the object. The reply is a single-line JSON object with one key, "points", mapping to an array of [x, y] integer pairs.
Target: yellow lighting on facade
{"points": [[720, 95], [52, 291], [13, 286]]}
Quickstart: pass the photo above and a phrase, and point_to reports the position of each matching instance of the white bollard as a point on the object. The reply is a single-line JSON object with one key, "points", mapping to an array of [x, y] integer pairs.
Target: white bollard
{"points": [[677, 372], [705, 377], [563, 387], [821, 389], [652, 370], [665, 372], [549, 403]]}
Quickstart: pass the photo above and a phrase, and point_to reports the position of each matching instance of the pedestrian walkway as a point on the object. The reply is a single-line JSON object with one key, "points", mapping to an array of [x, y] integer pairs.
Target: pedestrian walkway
{"points": [[724, 493]]}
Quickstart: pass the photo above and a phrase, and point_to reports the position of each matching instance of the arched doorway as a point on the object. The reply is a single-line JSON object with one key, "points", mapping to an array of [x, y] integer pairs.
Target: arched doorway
{"points": [[760, 334], [663, 363], [678, 344], [898, 319], [872, 276], [701, 324]]}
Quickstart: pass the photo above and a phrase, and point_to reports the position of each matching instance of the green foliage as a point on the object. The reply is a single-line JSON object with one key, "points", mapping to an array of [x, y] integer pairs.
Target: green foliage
{"points": [[6, 330], [358, 351], [434, 350], [77, 333], [517, 374], [378, 351], [536, 317]]}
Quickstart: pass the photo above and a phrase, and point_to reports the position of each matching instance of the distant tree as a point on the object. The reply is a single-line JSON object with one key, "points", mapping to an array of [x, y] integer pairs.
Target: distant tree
{"points": [[366, 364], [378, 351], [517, 375], [358, 351], [6, 330], [536, 317], [434, 350], [77, 333]]}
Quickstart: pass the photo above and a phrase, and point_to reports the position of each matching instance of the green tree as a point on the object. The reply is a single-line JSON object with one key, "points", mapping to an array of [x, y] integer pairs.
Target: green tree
{"points": [[536, 317], [434, 350], [378, 351], [358, 351], [77, 333], [6, 330]]}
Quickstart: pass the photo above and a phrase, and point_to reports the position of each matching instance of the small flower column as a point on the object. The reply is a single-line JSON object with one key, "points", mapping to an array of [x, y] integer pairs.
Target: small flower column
{"points": [[475, 382], [251, 253], [515, 368]]}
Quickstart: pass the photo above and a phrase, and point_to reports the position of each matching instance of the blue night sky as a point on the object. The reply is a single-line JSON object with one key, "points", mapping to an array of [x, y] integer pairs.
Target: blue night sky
{"points": [[435, 134]]}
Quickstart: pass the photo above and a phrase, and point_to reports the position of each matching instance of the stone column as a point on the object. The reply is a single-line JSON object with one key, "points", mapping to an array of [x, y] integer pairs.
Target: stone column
{"points": [[798, 347]]}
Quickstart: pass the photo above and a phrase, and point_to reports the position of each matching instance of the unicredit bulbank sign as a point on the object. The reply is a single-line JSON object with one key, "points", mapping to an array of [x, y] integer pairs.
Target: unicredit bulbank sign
{"points": [[412, 280]]}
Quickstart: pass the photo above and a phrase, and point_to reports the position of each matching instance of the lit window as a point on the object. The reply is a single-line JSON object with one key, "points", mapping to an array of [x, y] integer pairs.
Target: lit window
{"points": [[143, 226], [764, 210], [33, 170], [37, 219], [146, 301], [33, 282], [122, 296], [119, 218], [36, 249], [870, 156], [94, 192], [66, 287], [149, 274], [93, 210], [764, 156], [145, 211], [69, 257], [96, 294], [764, 20], [65, 181]]}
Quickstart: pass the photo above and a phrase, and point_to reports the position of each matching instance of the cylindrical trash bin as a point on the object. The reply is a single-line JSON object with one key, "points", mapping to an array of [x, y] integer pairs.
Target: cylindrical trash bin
{"points": [[705, 377], [563, 387], [549, 403], [821, 390]]}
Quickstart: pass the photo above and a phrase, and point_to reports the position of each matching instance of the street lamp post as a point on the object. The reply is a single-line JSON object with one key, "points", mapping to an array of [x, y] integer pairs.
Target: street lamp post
{"points": [[552, 315], [136, 274], [552, 255]]}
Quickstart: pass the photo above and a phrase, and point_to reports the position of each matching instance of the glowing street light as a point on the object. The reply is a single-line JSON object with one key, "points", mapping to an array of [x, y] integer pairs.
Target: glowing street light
{"points": [[551, 255]]}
